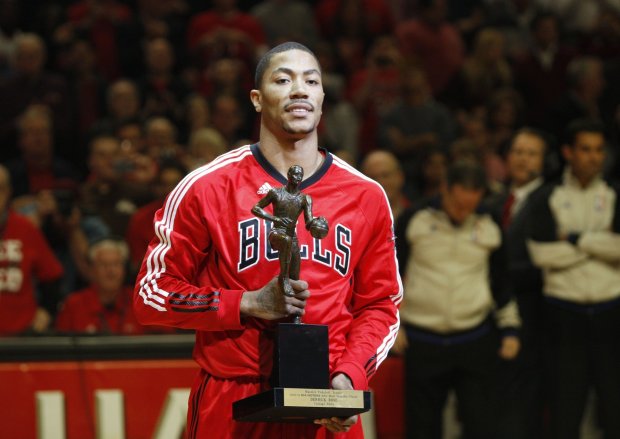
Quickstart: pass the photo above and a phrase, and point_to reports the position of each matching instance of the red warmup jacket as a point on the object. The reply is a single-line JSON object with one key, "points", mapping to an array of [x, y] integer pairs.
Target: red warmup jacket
{"points": [[209, 248]]}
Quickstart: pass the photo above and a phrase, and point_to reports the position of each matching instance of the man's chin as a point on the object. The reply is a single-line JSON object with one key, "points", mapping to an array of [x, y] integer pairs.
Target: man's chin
{"points": [[298, 131]]}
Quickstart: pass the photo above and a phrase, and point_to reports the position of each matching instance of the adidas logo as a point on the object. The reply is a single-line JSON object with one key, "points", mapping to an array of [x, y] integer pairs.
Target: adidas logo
{"points": [[264, 189]]}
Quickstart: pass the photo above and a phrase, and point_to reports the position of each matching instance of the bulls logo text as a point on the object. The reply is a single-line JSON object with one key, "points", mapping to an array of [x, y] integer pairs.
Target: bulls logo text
{"points": [[254, 246]]}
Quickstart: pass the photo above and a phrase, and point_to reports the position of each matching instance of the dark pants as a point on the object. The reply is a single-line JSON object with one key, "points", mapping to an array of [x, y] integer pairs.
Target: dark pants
{"points": [[432, 370], [520, 381], [582, 350]]}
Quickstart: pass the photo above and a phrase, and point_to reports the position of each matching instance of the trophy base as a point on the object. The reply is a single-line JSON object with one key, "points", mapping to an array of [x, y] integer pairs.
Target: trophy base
{"points": [[293, 405]]}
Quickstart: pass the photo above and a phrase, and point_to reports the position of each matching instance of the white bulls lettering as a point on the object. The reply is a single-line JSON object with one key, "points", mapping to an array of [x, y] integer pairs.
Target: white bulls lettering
{"points": [[334, 251]]}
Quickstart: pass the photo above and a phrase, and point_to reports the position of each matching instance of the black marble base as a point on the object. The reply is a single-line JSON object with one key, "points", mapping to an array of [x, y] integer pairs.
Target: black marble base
{"points": [[300, 405], [301, 356]]}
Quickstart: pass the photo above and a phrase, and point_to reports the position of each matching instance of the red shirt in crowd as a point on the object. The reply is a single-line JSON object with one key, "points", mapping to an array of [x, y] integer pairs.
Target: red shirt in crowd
{"points": [[84, 312], [25, 258], [211, 21]]}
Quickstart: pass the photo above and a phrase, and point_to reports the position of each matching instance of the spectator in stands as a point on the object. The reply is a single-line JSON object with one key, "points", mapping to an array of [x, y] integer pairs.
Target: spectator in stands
{"points": [[204, 145], [603, 41], [197, 115], [140, 229], [45, 190], [522, 387], [287, 20], [574, 237], [475, 142], [225, 31], [339, 128], [540, 74], [586, 84], [134, 163], [160, 136], [104, 307], [375, 89], [153, 19], [377, 16], [163, 92], [87, 95], [38, 169], [351, 26], [29, 272], [415, 122], [99, 20], [108, 193], [122, 103], [130, 132], [383, 167], [484, 71], [504, 114], [10, 29], [434, 42], [226, 75], [450, 256], [29, 83], [230, 119]]}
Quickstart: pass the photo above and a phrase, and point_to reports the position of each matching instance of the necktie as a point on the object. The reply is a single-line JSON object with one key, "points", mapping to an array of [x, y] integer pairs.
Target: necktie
{"points": [[507, 210]]}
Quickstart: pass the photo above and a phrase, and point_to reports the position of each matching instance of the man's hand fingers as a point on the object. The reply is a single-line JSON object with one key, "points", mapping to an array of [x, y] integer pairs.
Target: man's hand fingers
{"points": [[293, 305], [337, 425], [299, 285]]}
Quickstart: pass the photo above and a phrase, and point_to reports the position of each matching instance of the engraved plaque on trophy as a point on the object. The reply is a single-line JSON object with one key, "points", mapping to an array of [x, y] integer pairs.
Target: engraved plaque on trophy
{"points": [[300, 376]]}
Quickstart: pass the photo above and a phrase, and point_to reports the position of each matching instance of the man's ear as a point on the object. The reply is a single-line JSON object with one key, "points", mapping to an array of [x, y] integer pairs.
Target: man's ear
{"points": [[255, 97], [567, 152]]}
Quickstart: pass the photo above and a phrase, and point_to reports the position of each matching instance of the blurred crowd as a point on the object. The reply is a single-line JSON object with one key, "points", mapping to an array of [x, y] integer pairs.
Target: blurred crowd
{"points": [[106, 105]]}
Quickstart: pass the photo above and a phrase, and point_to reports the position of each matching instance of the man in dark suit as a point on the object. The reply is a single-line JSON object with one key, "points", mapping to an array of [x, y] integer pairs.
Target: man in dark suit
{"points": [[521, 379]]}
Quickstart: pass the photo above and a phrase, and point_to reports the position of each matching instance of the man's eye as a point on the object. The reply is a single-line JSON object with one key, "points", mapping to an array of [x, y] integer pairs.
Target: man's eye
{"points": [[313, 82], [281, 80]]}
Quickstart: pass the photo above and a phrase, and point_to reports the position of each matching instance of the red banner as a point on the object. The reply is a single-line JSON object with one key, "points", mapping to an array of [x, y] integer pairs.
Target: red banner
{"points": [[89, 399], [134, 399]]}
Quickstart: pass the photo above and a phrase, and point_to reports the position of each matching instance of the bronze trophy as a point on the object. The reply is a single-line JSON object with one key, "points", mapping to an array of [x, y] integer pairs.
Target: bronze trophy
{"points": [[300, 377]]}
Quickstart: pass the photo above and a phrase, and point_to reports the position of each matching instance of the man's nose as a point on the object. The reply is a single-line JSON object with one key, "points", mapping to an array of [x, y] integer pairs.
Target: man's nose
{"points": [[299, 90]]}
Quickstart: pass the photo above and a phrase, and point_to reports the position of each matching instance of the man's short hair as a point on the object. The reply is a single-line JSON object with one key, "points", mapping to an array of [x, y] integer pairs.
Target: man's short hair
{"points": [[468, 174], [585, 125], [35, 111], [543, 136], [111, 242], [266, 59]]}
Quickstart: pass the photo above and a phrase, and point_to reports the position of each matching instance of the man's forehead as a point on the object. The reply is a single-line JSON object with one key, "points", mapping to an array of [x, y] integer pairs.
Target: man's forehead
{"points": [[294, 60], [589, 137], [527, 141]]}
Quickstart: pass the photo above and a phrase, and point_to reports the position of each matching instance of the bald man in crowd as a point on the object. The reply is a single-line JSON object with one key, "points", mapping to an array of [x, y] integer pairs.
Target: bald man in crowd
{"points": [[383, 167]]}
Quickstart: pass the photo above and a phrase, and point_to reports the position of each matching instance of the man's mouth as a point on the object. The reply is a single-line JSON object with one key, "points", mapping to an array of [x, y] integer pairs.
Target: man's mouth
{"points": [[299, 108]]}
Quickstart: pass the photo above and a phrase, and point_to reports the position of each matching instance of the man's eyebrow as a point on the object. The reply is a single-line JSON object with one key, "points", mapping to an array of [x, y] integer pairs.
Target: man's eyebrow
{"points": [[290, 71]]}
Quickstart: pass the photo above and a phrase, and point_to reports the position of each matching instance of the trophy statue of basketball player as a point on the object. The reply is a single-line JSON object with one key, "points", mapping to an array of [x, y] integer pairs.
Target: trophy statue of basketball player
{"points": [[288, 203]]}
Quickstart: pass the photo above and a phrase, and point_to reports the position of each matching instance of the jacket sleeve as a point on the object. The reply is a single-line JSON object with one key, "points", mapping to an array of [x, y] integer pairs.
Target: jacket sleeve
{"points": [[604, 244], [166, 291], [600, 245], [376, 297], [506, 312], [546, 250]]}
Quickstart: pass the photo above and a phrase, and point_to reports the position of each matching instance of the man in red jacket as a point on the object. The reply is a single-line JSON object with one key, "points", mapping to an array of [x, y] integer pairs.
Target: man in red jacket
{"points": [[211, 267]]}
